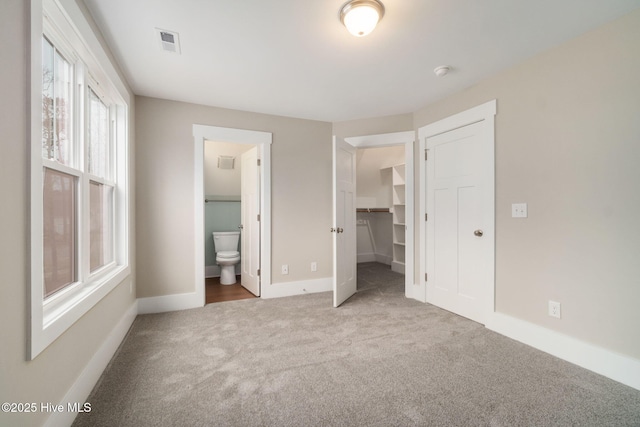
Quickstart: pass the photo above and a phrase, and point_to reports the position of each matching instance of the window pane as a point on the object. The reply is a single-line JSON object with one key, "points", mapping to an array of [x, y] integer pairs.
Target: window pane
{"points": [[101, 220], [57, 98], [47, 100], [98, 136], [59, 228]]}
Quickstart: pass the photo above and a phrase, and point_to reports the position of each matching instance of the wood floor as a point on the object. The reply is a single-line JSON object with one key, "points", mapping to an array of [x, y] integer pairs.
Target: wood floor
{"points": [[215, 292]]}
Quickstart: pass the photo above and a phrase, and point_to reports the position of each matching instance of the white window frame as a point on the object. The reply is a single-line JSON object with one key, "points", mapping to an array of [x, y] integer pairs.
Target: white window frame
{"points": [[65, 26]]}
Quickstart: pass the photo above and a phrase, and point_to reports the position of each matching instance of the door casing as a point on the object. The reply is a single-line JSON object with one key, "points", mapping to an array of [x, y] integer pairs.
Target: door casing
{"points": [[262, 140]]}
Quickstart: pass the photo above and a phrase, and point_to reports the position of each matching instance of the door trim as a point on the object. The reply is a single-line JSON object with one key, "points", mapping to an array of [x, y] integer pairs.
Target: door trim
{"points": [[263, 141], [407, 139], [484, 112]]}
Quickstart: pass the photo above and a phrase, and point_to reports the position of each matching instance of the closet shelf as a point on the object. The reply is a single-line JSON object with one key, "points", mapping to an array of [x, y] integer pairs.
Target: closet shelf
{"points": [[373, 210], [398, 195]]}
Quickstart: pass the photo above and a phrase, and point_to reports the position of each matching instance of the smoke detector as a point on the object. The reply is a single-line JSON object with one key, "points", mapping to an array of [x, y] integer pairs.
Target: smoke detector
{"points": [[442, 70], [169, 40]]}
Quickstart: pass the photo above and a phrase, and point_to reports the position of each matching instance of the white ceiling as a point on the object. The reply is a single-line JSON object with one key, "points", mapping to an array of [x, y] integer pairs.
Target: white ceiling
{"points": [[294, 58]]}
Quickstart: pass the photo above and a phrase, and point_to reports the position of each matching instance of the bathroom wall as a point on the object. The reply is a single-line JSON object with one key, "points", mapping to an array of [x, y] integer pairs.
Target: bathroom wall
{"points": [[218, 216], [221, 184], [373, 190]]}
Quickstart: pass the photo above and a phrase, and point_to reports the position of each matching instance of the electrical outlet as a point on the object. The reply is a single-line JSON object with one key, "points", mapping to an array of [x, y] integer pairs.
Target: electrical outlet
{"points": [[285, 269], [314, 266], [554, 309]]}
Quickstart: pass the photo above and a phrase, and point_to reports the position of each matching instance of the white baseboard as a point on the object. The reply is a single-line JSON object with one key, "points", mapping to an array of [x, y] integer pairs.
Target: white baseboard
{"points": [[368, 257], [384, 259], [372, 257], [173, 302], [618, 367], [279, 290], [398, 267], [82, 387]]}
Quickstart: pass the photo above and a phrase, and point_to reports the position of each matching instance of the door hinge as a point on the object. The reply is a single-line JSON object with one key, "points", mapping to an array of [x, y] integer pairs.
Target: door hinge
{"points": [[258, 217], [258, 162], [258, 272], [426, 154], [425, 277], [426, 216]]}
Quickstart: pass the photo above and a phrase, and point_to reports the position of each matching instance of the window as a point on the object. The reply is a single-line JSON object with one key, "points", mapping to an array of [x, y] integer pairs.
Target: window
{"points": [[79, 171], [59, 231]]}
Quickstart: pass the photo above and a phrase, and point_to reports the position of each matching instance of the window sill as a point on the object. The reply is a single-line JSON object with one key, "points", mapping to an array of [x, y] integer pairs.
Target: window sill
{"points": [[62, 315]]}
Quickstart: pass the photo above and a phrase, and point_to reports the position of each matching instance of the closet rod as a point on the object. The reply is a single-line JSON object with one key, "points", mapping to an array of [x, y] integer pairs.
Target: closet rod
{"points": [[372, 210], [220, 200]]}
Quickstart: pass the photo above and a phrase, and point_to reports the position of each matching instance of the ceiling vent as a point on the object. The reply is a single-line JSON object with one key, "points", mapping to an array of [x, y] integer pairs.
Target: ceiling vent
{"points": [[226, 162], [169, 40]]}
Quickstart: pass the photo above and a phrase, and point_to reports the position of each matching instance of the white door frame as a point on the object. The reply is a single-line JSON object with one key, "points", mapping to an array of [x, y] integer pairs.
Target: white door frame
{"points": [[262, 140], [484, 112], [387, 140]]}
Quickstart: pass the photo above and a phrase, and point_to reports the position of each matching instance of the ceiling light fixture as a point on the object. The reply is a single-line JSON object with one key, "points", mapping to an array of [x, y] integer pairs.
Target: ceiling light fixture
{"points": [[361, 16]]}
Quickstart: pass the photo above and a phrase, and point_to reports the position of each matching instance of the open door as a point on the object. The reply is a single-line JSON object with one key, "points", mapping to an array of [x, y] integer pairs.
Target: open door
{"points": [[344, 221], [250, 212]]}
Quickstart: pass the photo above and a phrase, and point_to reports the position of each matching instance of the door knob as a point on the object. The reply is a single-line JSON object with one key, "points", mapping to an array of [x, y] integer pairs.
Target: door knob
{"points": [[340, 230], [333, 230], [478, 233], [240, 227]]}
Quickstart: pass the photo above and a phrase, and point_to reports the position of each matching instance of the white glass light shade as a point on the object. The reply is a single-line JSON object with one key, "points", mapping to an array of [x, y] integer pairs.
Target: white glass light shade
{"points": [[361, 16]]}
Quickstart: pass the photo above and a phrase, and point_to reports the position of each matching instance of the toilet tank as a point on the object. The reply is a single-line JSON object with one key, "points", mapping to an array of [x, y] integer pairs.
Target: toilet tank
{"points": [[226, 240]]}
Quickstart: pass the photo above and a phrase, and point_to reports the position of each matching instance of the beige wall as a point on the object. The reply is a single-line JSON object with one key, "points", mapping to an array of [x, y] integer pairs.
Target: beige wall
{"points": [[373, 126], [51, 374], [300, 191], [568, 144], [373, 175]]}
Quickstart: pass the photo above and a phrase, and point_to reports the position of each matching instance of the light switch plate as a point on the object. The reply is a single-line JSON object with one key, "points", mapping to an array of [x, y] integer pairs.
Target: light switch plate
{"points": [[519, 210]]}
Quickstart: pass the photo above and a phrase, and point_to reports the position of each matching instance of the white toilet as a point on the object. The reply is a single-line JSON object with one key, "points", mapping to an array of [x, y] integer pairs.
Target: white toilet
{"points": [[227, 255]]}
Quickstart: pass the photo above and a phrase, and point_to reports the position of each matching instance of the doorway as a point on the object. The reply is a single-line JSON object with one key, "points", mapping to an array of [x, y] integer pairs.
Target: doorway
{"points": [[256, 223], [231, 203], [398, 205]]}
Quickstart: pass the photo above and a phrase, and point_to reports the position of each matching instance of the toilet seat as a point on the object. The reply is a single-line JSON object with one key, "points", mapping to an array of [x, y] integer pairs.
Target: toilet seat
{"points": [[227, 254]]}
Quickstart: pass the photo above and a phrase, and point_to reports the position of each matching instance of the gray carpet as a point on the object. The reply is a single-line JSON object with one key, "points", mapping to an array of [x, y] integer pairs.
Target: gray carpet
{"points": [[380, 360]]}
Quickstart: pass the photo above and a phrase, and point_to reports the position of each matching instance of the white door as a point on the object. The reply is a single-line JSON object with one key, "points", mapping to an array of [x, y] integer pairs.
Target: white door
{"points": [[460, 212], [250, 232], [344, 221]]}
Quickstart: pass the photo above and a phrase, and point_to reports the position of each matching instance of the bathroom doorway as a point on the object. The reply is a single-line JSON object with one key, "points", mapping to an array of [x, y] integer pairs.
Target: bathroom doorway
{"points": [[221, 155], [231, 184]]}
